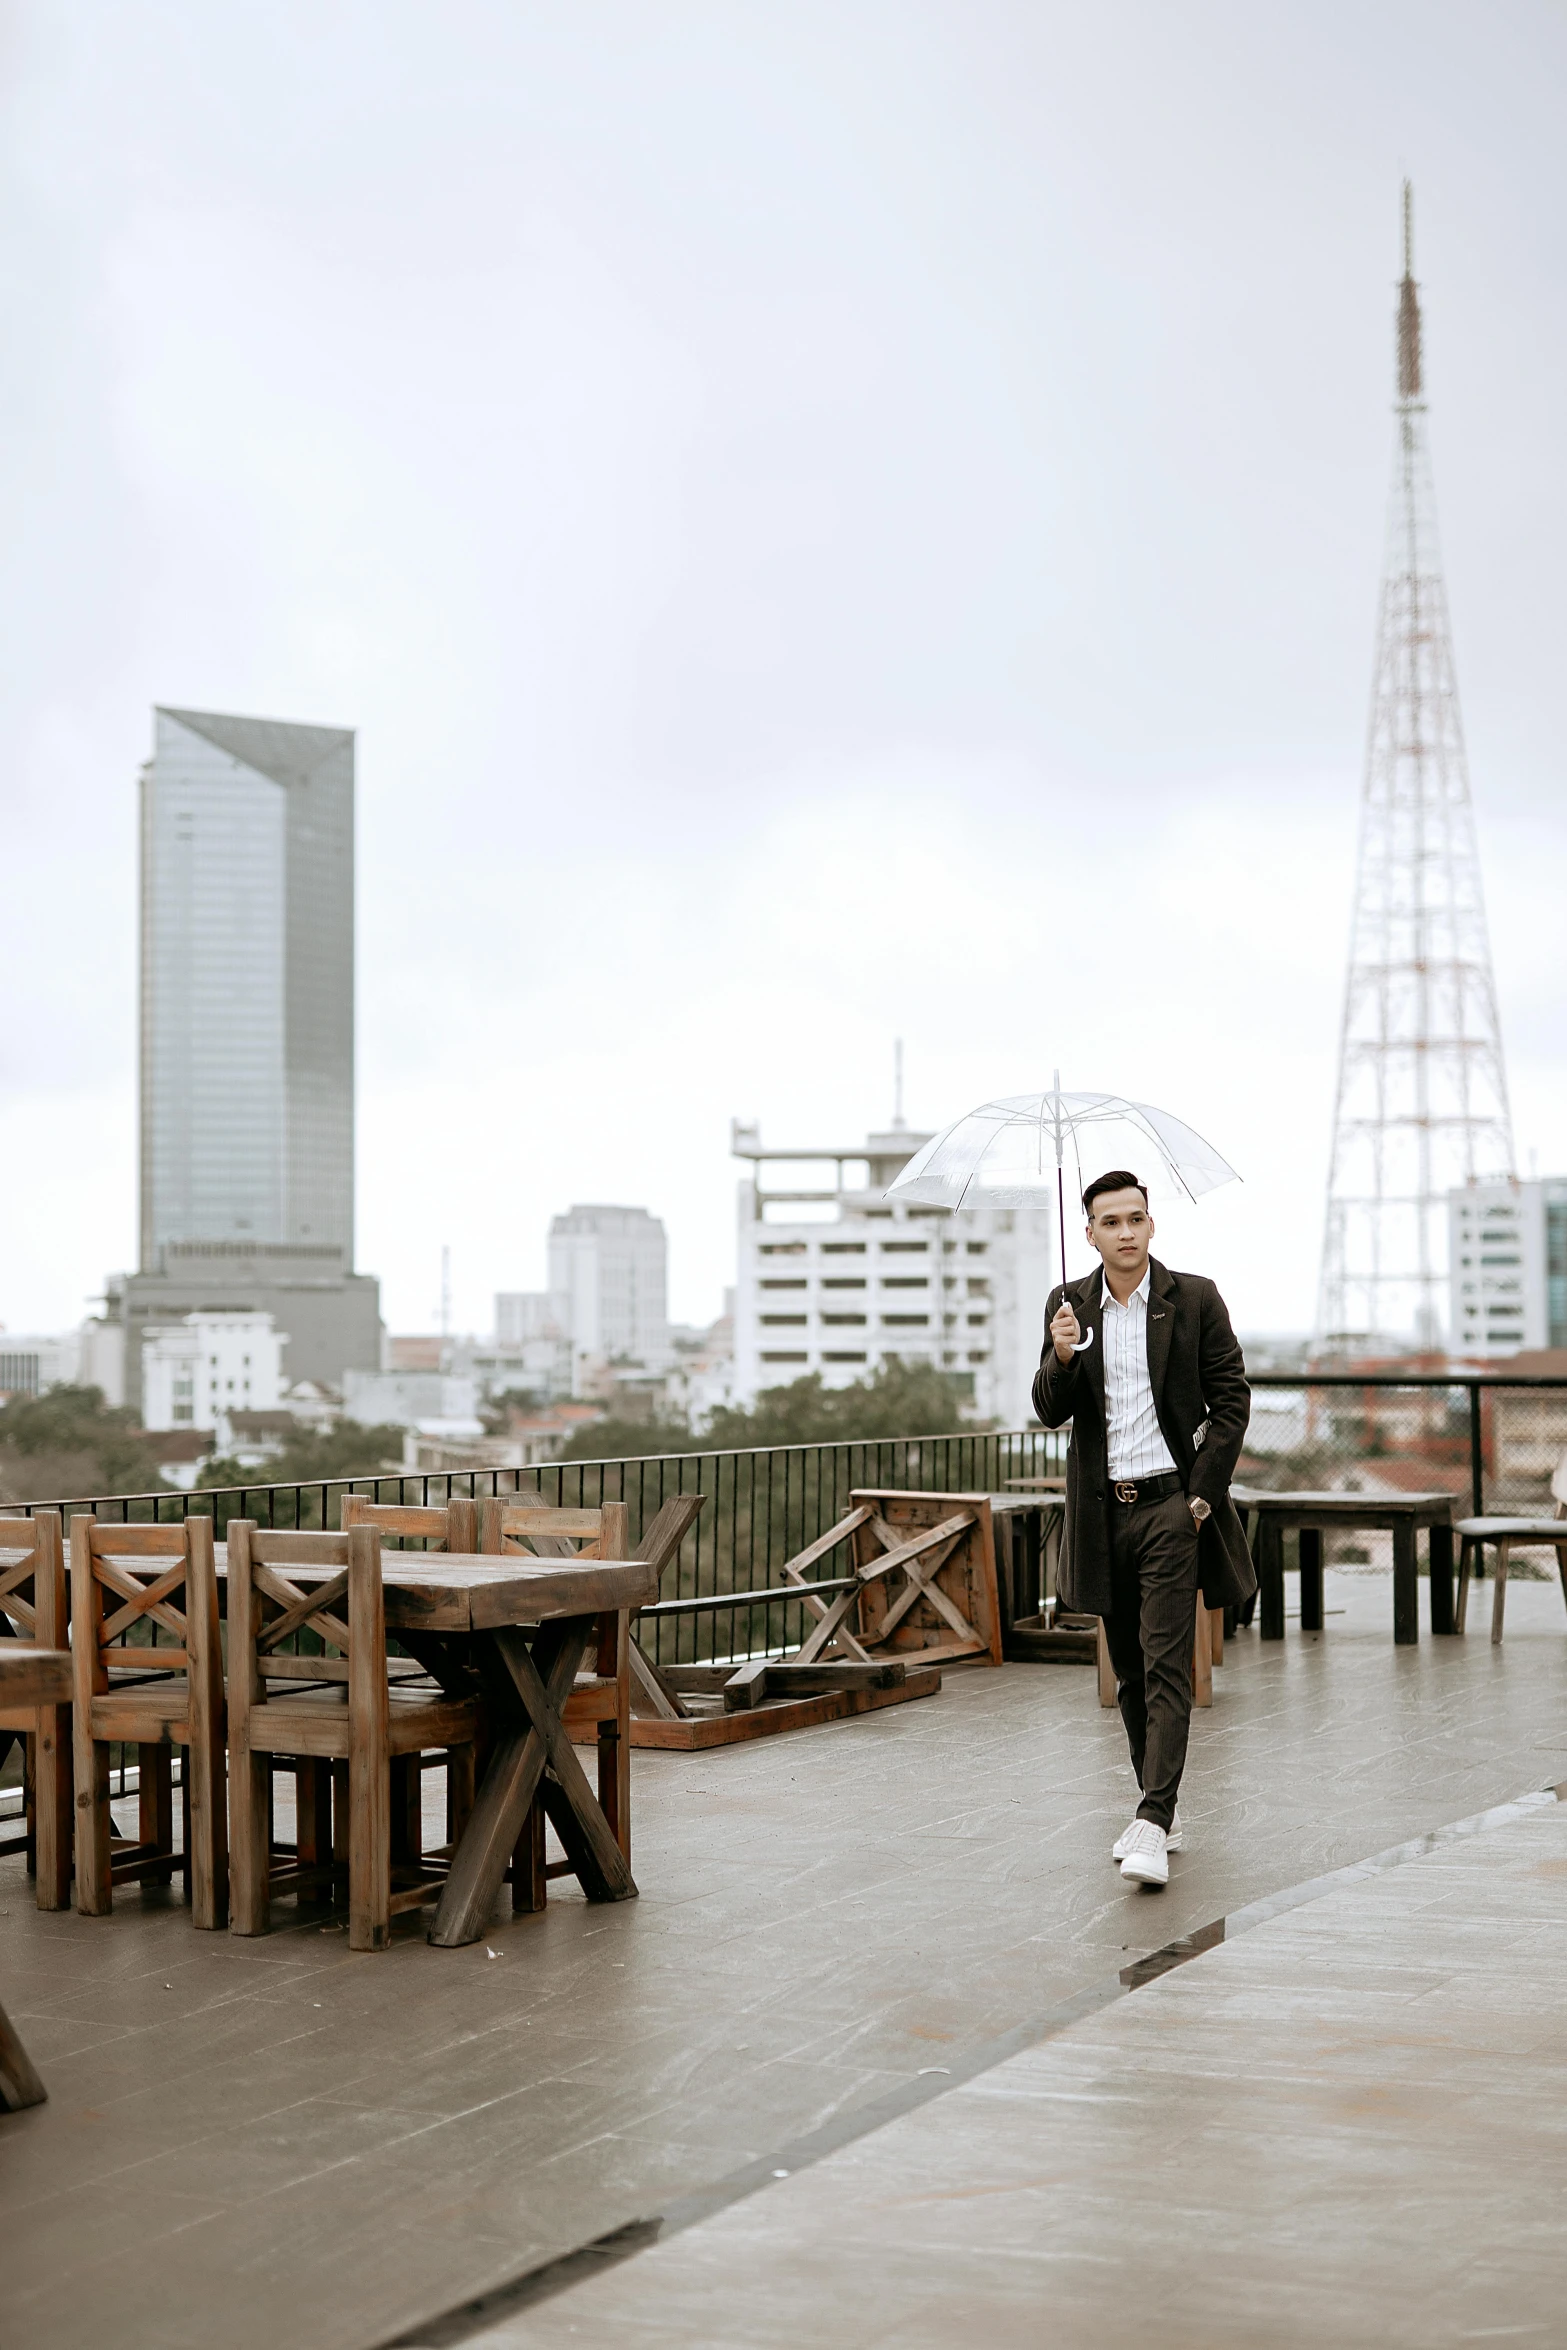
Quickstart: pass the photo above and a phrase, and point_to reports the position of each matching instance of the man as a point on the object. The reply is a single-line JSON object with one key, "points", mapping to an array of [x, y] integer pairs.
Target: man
{"points": [[1144, 1364]]}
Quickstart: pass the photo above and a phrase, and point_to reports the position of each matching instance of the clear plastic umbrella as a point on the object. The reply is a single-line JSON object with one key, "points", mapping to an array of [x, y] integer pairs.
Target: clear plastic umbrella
{"points": [[1012, 1153]]}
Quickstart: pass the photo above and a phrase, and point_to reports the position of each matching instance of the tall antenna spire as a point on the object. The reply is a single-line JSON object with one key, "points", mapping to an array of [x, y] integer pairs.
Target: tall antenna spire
{"points": [[1409, 309], [1422, 1087], [897, 1084]]}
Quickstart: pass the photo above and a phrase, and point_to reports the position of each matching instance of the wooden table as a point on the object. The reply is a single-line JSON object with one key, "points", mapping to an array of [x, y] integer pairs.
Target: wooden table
{"points": [[28, 1676], [520, 1625], [1314, 1514]]}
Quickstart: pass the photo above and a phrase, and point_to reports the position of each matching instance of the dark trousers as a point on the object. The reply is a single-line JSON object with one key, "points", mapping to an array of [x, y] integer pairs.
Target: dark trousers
{"points": [[1153, 1591]]}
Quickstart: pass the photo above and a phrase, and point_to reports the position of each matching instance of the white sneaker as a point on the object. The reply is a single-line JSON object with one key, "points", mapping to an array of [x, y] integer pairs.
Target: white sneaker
{"points": [[1145, 1862], [1173, 1841]]}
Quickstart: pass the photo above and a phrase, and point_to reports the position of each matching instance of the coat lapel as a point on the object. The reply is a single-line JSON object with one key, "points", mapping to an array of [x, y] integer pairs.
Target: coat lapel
{"points": [[1090, 1316], [1161, 1326]]}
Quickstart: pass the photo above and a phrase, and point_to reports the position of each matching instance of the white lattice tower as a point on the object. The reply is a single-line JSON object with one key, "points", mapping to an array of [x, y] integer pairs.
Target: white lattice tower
{"points": [[1422, 1087]]}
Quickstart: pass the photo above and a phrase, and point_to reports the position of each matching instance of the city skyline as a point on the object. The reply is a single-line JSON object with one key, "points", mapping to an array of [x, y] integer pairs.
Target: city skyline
{"points": [[976, 514]]}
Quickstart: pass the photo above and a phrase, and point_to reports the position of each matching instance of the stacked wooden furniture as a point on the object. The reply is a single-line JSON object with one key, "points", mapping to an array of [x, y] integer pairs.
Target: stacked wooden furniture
{"points": [[343, 1707], [31, 1680], [33, 1606], [153, 1693], [919, 1591]]}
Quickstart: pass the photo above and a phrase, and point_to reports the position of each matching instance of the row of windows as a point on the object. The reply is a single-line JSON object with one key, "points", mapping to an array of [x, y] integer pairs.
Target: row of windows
{"points": [[859, 1321], [857, 1248], [975, 1355]]}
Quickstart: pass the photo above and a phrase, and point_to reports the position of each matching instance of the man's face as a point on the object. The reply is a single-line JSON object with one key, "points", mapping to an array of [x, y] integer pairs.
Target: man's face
{"points": [[1121, 1229]]}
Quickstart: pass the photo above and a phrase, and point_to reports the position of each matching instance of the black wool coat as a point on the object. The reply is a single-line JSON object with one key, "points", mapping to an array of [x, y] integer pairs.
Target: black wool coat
{"points": [[1198, 1377]]}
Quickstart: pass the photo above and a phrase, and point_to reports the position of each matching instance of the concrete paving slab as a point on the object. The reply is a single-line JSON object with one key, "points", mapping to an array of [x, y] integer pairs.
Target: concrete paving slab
{"points": [[1192, 2166], [822, 1918]]}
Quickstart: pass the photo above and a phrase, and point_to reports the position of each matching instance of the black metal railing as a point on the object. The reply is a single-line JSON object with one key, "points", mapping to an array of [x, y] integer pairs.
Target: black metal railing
{"points": [[761, 1508], [1490, 1440]]}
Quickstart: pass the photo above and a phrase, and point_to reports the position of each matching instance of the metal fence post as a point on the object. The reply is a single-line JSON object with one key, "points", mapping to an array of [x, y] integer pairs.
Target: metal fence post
{"points": [[1476, 1453]]}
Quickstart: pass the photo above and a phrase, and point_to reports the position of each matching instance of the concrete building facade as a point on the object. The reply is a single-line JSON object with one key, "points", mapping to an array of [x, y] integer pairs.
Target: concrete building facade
{"points": [[1508, 1266], [839, 1280], [609, 1268], [200, 1369], [247, 1039]]}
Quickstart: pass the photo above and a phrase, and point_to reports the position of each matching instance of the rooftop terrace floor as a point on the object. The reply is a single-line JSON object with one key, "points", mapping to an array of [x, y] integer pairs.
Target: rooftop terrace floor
{"points": [[276, 2141]]}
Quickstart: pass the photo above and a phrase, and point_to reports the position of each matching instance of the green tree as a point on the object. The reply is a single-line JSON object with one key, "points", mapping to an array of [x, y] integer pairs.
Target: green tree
{"points": [[349, 1449], [625, 1440], [898, 1399], [68, 1443]]}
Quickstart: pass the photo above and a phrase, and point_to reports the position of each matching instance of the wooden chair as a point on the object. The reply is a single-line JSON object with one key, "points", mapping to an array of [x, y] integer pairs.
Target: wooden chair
{"points": [[33, 1605], [1508, 1535], [355, 1712], [29, 1677], [601, 1700], [152, 1696], [452, 1526]]}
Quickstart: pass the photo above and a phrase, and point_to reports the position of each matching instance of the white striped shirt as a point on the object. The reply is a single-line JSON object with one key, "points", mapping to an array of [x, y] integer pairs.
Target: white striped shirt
{"points": [[1135, 1443]]}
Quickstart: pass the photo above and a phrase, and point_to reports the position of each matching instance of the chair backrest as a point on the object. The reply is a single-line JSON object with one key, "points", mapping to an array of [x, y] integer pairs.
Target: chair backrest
{"points": [[454, 1527], [519, 1524], [267, 1606], [1559, 1487], [160, 1579], [32, 1578]]}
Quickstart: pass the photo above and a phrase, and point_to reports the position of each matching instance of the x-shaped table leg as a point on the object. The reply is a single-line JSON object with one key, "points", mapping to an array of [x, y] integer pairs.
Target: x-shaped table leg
{"points": [[535, 1740]]}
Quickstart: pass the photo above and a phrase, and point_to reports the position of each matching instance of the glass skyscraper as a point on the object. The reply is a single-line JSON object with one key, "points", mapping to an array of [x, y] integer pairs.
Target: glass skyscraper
{"points": [[247, 988], [247, 1037]]}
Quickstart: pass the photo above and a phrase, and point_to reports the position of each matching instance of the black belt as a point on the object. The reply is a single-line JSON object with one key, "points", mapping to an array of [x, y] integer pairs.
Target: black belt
{"points": [[1132, 1491]]}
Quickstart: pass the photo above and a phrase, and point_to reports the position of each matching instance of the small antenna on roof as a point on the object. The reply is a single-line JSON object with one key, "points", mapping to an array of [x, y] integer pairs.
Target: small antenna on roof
{"points": [[897, 1084]]}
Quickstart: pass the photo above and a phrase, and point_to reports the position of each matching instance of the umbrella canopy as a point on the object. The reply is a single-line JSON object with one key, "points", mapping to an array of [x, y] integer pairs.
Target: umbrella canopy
{"points": [[1012, 1153], [1007, 1153]]}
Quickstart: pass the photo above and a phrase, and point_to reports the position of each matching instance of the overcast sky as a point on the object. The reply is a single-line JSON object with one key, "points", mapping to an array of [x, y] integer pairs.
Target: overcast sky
{"points": [[831, 522]]}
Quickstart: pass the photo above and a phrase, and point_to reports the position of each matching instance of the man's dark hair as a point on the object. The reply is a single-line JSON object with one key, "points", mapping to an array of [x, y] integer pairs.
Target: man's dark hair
{"points": [[1118, 1179]]}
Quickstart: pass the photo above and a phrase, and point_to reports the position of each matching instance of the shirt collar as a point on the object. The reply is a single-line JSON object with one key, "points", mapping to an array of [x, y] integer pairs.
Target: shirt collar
{"points": [[1141, 1291]]}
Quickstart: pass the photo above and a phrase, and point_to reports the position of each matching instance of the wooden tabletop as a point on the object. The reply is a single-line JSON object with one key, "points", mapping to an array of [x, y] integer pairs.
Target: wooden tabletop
{"points": [[1344, 1505], [472, 1591]]}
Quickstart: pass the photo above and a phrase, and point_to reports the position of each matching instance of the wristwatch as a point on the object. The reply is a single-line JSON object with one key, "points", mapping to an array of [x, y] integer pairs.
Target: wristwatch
{"points": [[1199, 1508]]}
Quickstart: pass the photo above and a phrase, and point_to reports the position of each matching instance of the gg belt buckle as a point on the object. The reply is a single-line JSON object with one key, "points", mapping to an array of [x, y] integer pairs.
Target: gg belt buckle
{"points": [[1125, 1491]]}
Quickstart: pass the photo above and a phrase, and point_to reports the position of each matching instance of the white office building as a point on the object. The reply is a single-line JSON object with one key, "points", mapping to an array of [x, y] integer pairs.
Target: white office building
{"points": [[834, 1278], [196, 1371], [609, 1270], [1508, 1252]]}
